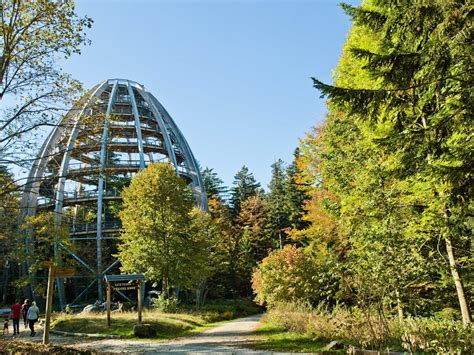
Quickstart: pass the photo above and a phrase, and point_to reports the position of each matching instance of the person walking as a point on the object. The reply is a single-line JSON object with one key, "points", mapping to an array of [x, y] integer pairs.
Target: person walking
{"points": [[16, 315], [32, 315], [24, 311]]}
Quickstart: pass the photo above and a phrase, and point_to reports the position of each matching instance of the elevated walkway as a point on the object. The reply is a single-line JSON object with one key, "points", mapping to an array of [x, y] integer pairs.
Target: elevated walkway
{"points": [[77, 198]]}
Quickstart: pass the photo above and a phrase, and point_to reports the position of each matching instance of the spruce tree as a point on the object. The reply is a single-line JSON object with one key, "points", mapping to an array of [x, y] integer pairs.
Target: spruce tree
{"points": [[244, 186], [278, 217], [213, 184], [296, 195]]}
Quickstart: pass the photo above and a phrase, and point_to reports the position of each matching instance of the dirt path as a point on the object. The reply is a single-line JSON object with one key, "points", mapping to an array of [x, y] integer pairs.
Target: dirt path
{"points": [[231, 337]]}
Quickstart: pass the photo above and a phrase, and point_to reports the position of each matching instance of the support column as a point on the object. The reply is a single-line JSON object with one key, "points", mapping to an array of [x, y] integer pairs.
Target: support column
{"points": [[137, 125], [109, 291], [100, 191], [139, 296]]}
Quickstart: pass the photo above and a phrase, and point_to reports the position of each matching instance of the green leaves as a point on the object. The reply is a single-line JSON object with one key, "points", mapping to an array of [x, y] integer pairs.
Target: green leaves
{"points": [[34, 36], [163, 237], [394, 157]]}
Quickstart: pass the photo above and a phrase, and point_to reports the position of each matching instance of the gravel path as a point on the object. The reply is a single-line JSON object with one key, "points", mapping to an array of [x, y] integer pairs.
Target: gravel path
{"points": [[231, 337]]}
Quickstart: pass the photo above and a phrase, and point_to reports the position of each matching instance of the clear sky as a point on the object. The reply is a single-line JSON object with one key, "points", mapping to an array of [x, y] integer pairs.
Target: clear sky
{"points": [[234, 75]]}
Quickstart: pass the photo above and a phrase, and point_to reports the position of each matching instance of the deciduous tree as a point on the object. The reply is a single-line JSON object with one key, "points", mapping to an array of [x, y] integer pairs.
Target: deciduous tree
{"points": [[34, 36], [160, 238]]}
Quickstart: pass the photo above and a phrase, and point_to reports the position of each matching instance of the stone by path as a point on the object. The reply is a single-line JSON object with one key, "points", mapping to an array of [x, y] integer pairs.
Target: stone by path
{"points": [[230, 338]]}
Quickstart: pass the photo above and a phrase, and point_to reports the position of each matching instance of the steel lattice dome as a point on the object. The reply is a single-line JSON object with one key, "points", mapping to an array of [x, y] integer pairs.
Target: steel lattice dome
{"points": [[115, 130]]}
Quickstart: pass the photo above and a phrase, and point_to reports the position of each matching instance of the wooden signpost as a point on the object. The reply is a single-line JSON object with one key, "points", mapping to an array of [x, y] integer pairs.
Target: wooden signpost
{"points": [[52, 274], [123, 283]]}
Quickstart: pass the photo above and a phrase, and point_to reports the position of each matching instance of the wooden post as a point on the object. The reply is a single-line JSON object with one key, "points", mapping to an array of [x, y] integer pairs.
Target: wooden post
{"points": [[139, 291], [49, 303], [109, 291]]}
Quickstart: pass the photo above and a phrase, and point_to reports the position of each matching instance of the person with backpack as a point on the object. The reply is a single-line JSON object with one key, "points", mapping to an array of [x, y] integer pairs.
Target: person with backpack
{"points": [[32, 315], [24, 311]]}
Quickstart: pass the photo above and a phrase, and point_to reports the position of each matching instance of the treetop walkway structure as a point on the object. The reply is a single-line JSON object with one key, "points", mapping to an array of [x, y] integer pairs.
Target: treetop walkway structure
{"points": [[115, 130]]}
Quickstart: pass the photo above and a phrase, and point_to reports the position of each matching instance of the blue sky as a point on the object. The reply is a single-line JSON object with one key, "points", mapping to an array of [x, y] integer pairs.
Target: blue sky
{"points": [[235, 75]]}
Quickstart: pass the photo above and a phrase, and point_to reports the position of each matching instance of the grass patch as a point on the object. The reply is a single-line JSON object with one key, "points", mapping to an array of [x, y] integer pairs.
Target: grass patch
{"points": [[272, 337], [224, 310], [167, 325], [188, 320]]}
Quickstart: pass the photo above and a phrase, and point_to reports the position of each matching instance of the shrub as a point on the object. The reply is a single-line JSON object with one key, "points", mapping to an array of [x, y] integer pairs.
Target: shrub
{"points": [[293, 275], [367, 330], [436, 335], [168, 305]]}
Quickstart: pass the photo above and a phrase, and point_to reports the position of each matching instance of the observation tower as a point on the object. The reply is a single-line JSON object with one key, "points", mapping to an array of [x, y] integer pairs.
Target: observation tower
{"points": [[115, 130]]}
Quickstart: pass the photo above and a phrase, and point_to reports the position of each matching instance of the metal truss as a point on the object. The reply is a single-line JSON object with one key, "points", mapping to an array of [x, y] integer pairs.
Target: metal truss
{"points": [[115, 130]]}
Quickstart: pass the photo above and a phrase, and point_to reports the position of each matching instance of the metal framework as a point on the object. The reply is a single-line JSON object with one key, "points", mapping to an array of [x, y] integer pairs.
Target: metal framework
{"points": [[115, 130]]}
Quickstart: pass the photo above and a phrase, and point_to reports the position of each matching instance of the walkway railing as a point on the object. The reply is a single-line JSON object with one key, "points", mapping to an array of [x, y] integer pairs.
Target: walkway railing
{"points": [[82, 195], [92, 227]]}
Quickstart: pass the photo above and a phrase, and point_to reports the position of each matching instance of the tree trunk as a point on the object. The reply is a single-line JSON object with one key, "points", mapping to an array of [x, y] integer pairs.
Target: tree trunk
{"points": [[465, 312], [399, 306], [165, 287], [6, 269]]}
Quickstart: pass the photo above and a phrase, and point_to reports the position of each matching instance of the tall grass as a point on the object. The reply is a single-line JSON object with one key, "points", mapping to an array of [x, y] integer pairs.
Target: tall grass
{"points": [[369, 331]]}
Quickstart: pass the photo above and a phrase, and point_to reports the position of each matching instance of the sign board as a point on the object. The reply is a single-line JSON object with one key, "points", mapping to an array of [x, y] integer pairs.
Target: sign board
{"points": [[125, 286], [65, 272], [122, 283]]}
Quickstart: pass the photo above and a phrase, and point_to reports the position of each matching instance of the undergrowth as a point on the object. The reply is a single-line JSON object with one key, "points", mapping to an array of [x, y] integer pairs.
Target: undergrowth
{"points": [[358, 329]]}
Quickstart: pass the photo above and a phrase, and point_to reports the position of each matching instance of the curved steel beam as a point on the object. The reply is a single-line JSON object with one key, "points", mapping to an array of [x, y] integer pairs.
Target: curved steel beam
{"points": [[161, 124], [190, 160], [100, 188], [137, 125]]}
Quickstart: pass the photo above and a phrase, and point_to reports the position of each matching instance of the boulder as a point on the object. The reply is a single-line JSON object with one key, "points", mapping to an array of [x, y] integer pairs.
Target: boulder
{"points": [[144, 330]]}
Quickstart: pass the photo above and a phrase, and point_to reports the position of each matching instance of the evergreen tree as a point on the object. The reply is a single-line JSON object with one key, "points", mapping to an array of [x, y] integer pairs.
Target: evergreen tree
{"points": [[296, 195], [244, 186], [418, 108], [254, 243], [214, 185], [279, 205]]}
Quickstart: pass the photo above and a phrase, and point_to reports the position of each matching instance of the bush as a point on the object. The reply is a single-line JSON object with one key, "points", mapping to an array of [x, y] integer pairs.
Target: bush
{"points": [[293, 275], [168, 305], [367, 330], [436, 335]]}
